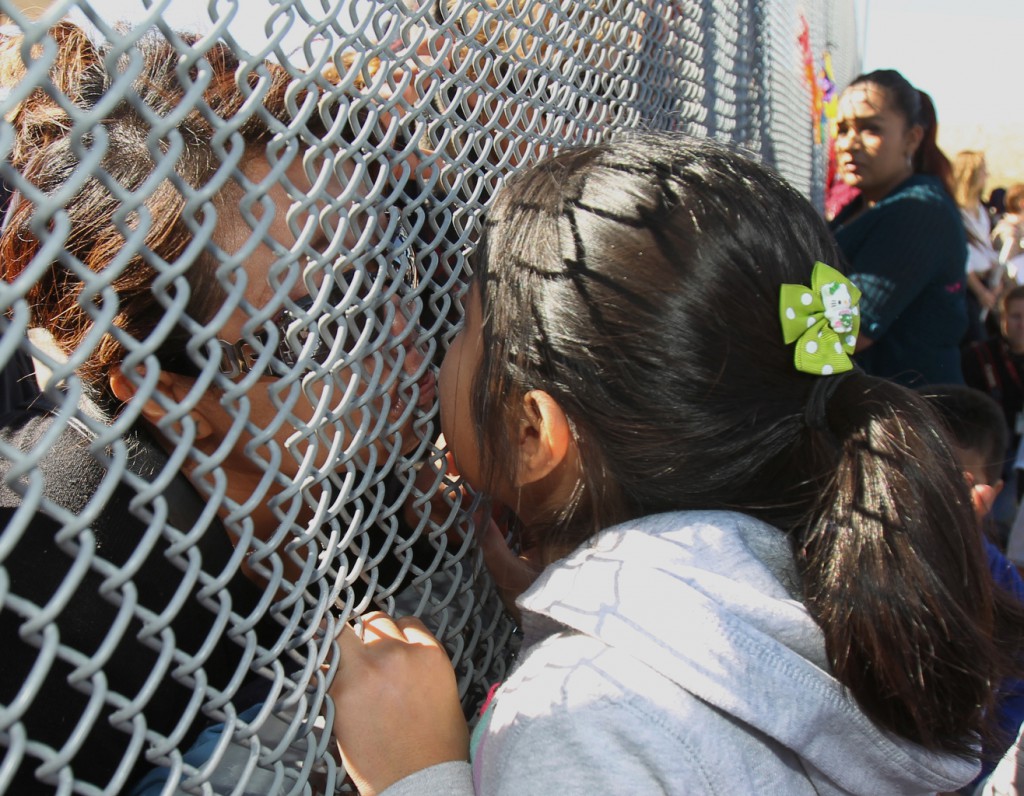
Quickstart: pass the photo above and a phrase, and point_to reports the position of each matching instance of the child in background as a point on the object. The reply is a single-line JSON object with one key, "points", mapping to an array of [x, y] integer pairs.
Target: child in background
{"points": [[762, 567], [994, 366], [978, 433], [978, 430]]}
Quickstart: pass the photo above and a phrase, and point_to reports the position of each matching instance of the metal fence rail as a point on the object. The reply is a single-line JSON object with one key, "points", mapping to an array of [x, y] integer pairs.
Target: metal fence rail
{"points": [[235, 242]]}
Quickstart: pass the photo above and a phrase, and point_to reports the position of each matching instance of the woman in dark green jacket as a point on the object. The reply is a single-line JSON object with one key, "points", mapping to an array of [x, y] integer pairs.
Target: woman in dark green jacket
{"points": [[902, 237]]}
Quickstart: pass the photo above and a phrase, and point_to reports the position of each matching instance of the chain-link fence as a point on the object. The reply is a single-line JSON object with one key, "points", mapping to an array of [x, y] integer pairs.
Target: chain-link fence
{"points": [[234, 251]]}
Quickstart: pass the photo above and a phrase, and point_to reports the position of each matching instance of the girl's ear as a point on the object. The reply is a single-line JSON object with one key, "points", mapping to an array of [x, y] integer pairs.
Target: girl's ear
{"points": [[171, 385], [544, 438]]}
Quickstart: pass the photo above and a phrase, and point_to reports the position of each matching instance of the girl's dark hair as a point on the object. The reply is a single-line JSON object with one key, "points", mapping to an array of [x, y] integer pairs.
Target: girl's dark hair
{"points": [[638, 283], [96, 217], [916, 107]]}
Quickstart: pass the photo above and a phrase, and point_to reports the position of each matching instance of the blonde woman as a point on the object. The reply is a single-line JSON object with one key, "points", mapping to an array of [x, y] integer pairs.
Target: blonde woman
{"points": [[984, 273]]}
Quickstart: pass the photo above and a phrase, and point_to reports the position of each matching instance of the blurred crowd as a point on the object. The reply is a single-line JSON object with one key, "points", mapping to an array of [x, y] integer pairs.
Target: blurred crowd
{"points": [[941, 265]]}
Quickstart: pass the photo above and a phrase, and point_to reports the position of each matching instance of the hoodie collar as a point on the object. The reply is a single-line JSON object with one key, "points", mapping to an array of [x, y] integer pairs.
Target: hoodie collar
{"points": [[710, 601]]}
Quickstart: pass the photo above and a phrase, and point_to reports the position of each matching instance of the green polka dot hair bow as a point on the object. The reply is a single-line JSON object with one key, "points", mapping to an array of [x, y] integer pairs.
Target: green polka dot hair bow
{"points": [[823, 320]]}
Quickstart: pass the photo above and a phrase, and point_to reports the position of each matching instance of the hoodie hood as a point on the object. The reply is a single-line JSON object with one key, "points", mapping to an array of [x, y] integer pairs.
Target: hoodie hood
{"points": [[710, 600]]}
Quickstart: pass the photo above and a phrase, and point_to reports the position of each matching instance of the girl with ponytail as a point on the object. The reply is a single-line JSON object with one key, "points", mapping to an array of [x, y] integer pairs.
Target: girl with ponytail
{"points": [[761, 570]]}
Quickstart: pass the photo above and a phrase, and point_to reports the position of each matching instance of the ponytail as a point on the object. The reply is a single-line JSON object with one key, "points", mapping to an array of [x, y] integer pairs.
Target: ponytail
{"points": [[894, 572], [929, 159]]}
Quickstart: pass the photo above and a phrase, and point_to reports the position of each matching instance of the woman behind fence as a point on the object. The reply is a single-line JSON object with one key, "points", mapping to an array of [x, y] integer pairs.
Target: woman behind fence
{"points": [[762, 568], [160, 612], [901, 238]]}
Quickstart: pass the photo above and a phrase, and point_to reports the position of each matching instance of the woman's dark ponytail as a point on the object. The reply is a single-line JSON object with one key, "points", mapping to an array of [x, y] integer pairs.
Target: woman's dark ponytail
{"points": [[929, 158], [877, 560]]}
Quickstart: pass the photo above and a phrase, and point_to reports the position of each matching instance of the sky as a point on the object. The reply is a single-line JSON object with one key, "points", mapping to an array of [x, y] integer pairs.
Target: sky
{"points": [[968, 54]]}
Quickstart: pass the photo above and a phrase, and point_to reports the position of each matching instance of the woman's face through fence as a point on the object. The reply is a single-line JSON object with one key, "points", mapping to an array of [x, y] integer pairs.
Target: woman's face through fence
{"points": [[344, 381]]}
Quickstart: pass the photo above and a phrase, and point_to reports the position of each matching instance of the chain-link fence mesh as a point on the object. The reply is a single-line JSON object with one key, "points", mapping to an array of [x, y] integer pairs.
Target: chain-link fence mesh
{"points": [[235, 251]]}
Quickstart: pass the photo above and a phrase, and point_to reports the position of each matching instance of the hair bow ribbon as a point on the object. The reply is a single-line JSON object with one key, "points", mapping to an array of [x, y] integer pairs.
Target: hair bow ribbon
{"points": [[823, 320]]}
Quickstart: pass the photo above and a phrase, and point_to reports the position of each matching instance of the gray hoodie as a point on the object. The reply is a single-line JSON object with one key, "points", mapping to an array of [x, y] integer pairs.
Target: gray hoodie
{"points": [[672, 654]]}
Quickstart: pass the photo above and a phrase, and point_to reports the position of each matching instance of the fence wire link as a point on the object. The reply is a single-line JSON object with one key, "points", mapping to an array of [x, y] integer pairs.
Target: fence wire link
{"points": [[227, 296]]}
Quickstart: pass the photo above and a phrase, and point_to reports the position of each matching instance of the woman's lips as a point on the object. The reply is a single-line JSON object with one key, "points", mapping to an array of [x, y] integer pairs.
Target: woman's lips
{"points": [[427, 386], [428, 391]]}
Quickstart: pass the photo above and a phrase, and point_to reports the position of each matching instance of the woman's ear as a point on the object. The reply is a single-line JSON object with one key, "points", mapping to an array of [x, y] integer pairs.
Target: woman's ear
{"points": [[544, 438], [171, 385], [915, 135]]}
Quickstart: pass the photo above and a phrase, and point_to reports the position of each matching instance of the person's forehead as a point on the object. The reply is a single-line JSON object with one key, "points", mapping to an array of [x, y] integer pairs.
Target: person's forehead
{"points": [[864, 100]]}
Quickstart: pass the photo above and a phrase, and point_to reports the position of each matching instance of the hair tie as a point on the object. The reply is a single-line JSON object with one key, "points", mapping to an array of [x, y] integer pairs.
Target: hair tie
{"points": [[816, 408], [823, 320]]}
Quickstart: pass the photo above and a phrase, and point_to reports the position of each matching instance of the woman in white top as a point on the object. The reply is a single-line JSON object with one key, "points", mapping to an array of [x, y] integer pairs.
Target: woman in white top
{"points": [[1008, 234], [983, 268]]}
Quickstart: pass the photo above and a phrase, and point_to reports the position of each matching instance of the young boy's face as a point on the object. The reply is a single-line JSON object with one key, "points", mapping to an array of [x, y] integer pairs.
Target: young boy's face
{"points": [[1013, 325]]}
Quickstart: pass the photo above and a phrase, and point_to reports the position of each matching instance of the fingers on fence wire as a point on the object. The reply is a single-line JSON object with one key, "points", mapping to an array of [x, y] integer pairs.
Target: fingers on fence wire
{"points": [[396, 701]]}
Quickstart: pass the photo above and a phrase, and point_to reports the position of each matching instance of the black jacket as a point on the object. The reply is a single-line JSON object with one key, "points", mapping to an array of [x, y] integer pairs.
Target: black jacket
{"points": [[87, 650]]}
